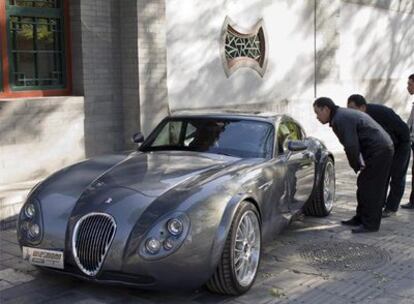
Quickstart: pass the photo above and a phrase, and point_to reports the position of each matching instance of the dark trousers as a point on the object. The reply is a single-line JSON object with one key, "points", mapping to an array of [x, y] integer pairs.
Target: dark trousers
{"points": [[412, 179], [372, 187], [398, 172]]}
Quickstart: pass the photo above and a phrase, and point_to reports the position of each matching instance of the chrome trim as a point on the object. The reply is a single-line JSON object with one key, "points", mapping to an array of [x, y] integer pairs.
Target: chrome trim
{"points": [[97, 235]]}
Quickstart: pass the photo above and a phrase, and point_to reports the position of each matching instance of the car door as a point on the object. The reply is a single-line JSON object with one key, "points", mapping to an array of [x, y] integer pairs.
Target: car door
{"points": [[300, 165]]}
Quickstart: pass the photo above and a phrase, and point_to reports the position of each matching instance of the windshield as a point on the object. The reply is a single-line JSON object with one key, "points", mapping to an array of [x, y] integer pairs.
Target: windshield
{"points": [[234, 137]]}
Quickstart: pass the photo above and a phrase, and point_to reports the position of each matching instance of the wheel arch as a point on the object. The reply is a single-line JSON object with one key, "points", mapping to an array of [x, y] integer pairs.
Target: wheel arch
{"points": [[224, 226], [321, 159], [324, 155]]}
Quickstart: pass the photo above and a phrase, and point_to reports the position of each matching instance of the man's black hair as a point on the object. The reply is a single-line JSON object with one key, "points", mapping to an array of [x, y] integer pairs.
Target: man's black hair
{"points": [[411, 77], [357, 99], [325, 102]]}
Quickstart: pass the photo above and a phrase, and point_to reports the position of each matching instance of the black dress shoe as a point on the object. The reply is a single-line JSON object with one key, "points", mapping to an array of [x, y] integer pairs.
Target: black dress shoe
{"points": [[362, 229], [352, 222], [408, 206], [388, 213]]}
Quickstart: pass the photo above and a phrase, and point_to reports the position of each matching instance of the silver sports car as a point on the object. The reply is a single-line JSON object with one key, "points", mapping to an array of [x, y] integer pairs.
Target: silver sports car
{"points": [[192, 206]]}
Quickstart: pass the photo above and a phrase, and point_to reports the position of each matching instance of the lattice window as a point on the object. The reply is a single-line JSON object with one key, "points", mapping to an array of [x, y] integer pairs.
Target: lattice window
{"points": [[237, 46], [244, 49], [35, 44]]}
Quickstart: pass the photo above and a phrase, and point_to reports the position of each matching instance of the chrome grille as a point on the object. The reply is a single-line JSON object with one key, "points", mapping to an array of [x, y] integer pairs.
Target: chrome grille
{"points": [[92, 237]]}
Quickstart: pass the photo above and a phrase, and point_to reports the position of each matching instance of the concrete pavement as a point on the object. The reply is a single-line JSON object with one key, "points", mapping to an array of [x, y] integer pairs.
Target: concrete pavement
{"points": [[313, 261]]}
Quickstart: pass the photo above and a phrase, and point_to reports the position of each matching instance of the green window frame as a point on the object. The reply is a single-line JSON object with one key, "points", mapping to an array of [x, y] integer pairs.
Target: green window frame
{"points": [[36, 44]]}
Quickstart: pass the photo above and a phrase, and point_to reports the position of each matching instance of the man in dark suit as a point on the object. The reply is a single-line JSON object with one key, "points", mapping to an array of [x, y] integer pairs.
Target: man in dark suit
{"points": [[410, 123], [400, 135], [369, 150]]}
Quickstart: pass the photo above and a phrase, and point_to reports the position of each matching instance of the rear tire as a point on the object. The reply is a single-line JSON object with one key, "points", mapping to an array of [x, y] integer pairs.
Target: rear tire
{"points": [[321, 202], [237, 268]]}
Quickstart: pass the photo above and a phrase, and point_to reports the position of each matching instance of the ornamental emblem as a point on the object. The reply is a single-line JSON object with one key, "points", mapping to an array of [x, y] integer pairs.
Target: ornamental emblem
{"points": [[244, 48]]}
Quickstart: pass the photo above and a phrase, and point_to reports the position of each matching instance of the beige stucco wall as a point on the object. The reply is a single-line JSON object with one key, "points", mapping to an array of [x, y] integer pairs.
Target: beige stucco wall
{"points": [[40, 136], [196, 77], [376, 54], [315, 48]]}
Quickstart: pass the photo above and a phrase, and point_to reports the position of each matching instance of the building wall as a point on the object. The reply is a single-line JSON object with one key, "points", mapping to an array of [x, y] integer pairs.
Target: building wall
{"points": [[376, 54], [196, 77], [153, 93], [102, 75], [39, 135], [130, 70], [134, 61], [364, 47], [315, 48]]}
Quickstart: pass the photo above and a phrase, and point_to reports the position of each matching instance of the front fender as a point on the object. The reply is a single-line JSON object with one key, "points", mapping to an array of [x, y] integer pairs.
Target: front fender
{"points": [[224, 226]]}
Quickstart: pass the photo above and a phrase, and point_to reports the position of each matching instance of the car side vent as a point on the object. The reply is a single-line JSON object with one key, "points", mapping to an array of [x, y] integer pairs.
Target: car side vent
{"points": [[92, 237]]}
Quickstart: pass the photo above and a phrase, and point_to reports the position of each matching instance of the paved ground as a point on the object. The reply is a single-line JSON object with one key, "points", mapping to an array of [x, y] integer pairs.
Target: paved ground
{"points": [[313, 261]]}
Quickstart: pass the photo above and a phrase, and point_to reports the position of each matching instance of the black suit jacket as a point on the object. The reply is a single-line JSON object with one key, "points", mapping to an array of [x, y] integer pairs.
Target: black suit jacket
{"points": [[391, 122]]}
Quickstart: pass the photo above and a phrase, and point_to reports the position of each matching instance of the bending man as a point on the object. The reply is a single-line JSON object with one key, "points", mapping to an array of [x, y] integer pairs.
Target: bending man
{"points": [[369, 150], [400, 135]]}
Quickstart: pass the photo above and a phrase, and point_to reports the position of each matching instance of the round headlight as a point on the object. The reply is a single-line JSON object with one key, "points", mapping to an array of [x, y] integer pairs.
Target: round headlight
{"points": [[169, 243], [34, 230], [175, 226], [152, 245], [30, 210]]}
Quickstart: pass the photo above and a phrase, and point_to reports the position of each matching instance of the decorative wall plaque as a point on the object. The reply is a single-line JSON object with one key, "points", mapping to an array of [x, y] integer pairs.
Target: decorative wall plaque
{"points": [[243, 49]]}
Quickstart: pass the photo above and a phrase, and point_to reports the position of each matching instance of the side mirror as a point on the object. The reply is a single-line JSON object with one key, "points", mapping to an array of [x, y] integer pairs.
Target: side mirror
{"points": [[296, 145], [137, 138]]}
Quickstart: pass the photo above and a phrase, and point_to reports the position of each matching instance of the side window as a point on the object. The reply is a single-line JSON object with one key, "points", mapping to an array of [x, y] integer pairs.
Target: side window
{"points": [[302, 133], [282, 135], [169, 135], [295, 131], [288, 130], [190, 133]]}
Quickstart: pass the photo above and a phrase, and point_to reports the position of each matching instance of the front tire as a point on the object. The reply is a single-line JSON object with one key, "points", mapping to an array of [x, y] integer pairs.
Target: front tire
{"points": [[237, 268], [321, 202]]}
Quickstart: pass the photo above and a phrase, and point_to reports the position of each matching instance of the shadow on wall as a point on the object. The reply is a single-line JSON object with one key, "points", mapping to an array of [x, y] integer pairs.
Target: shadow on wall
{"points": [[401, 30], [38, 136], [375, 66], [153, 92], [102, 77], [384, 46], [208, 87]]}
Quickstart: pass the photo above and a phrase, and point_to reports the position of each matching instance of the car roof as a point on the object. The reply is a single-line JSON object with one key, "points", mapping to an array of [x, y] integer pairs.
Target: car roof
{"points": [[259, 116]]}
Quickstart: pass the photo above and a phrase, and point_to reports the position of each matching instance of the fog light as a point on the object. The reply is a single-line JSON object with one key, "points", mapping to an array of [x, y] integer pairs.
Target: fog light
{"points": [[169, 243], [34, 230], [152, 245], [175, 226], [30, 210]]}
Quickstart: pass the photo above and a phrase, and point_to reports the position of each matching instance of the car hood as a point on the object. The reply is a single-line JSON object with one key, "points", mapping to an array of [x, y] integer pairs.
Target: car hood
{"points": [[154, 173]]}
